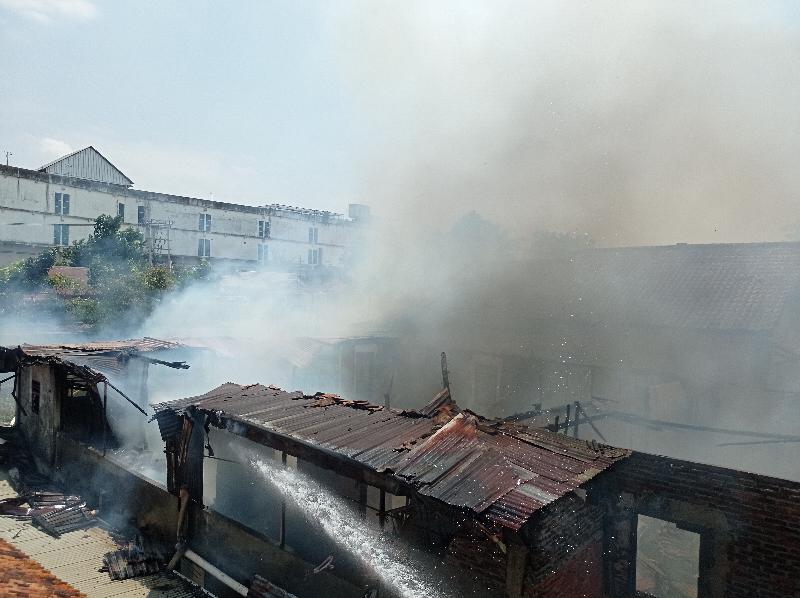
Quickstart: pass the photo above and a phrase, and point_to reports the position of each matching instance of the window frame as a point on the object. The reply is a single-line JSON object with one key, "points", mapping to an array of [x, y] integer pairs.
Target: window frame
{"points": [[61, 235], [61, 203], [204, 223], [203, 247]]}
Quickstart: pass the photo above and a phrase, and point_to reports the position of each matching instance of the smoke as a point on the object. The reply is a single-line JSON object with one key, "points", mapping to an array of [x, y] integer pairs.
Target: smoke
{"points": [[630, 123], [638, 123]]}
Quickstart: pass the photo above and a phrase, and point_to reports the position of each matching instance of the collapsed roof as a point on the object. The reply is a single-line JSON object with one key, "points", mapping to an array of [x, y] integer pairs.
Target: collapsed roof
{"points": [[504, 471], [103, 355]]}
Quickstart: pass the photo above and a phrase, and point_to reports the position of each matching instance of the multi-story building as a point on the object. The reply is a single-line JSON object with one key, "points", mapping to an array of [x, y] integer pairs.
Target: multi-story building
{"points": [[58, 203]]}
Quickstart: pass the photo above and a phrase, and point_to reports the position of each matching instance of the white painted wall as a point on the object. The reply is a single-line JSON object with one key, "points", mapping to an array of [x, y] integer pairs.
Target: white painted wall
{"points": [[28, 197]]}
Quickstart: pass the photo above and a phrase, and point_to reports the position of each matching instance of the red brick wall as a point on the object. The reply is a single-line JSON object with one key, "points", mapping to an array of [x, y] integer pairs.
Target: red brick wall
{"points": [[580, 576], [565, 541], [751, 521]]}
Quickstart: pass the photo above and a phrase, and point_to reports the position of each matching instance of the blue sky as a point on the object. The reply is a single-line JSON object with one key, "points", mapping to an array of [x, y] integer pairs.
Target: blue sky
{"points": [[244, 103], [638, 122]]}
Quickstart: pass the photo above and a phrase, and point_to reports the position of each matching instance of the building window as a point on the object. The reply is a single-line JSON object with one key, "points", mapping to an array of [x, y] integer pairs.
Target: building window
{"points": [[36, 393], [205, 223], [140, 214], [263, 252], [656, 540], [121, 210], [62, 204], [60, 234], [264, 228], [204, 248], [315, 256], [313, 234]]}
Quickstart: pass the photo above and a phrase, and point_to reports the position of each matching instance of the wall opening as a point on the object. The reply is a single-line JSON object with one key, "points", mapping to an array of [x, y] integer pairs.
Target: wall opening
{"points": [[8, 407], [667, 559]]}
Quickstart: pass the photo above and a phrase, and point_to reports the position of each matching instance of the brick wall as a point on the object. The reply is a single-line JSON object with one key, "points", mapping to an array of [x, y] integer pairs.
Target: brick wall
{"points": [[748, 524], [580, 576], [566, 554], [479, 563]]}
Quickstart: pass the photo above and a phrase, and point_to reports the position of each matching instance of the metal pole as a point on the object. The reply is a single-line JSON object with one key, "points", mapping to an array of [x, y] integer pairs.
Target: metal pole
{"points": [[566, 421], [577, 417], [223, 577]]}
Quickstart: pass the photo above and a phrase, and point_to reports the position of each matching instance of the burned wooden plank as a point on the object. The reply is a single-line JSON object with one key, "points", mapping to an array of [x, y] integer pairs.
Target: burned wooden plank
{"points": [[139, 557], [262, 588]]}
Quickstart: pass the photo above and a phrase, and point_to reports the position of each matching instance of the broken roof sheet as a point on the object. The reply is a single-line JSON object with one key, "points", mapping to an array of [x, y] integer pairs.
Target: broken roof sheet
{"points": [[135, 345], [502, 470], [106, 356]]}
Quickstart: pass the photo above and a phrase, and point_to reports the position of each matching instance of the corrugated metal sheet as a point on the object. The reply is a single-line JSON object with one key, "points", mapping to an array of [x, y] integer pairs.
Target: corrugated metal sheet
{"points": [[139, 345], [505, 471], [87, 164]]}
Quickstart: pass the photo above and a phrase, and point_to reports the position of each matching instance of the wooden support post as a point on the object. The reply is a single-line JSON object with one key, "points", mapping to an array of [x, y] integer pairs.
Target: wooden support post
{"points": [[382, 508], [577, 417], [566, 421], [619, 551], [515, 567], [105, 417], [15, 391], [555, 425], [195, 456], [282, 537], [445, 373], [362, 499]]}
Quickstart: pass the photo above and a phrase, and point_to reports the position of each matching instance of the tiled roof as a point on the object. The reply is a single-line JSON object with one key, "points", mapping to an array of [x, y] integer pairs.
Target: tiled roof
{"points": [[22, 576], [733, 287], [502, 470]]}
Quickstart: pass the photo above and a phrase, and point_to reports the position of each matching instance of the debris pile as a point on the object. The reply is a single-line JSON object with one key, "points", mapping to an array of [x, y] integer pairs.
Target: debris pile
{"points": [[136, 558], [53, 512]]}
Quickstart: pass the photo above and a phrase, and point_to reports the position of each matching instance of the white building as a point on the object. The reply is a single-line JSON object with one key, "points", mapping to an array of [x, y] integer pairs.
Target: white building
{"points": [[57, 204]]}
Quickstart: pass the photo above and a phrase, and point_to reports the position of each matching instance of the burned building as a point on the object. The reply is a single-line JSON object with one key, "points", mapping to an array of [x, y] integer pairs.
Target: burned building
{"points": [[296, 492], [62, 391], [685, 350], [513, 510]]}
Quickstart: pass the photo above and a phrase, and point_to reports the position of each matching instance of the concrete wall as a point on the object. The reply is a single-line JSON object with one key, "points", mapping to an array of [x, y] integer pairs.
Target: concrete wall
{"points": [[40, 428], [28, 197], [127, 499]]}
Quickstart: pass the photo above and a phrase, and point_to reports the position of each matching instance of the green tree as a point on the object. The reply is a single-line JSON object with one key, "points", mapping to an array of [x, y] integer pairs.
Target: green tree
{"points": [[123, 287]]}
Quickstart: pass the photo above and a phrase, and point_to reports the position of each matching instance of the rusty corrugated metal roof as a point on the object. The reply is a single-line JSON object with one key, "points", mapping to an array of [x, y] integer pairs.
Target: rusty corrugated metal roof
{"points": [[138, 345], [505, 471], [106, 356]]}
